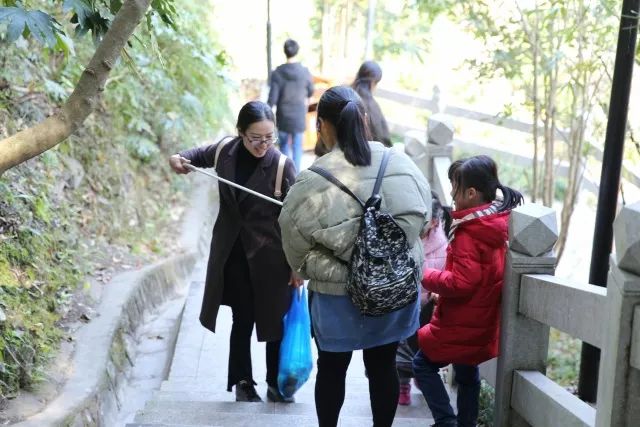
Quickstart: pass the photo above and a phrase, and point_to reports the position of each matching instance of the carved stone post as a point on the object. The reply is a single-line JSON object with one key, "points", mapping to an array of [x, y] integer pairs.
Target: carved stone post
{"points": [[619, 377], [523, 342]]}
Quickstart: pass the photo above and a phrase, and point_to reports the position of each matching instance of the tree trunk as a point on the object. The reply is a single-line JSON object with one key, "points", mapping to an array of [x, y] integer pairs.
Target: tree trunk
{"points": [[35, 140], [549, 151], [536, 110], [574, 146], [580, 107], [371, 18]]}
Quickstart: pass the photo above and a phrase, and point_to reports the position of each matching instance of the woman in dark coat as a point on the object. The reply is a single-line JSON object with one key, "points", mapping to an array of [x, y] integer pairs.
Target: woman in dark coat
{"points": [[247, 269], [368, 77]]}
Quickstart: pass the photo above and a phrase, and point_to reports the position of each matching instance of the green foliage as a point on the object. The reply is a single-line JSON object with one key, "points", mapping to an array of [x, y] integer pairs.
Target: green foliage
{"points": [[400, 31], [108, 186], [486, 405], [21, 22], [401, 27], [93, 16], [563, 362]]}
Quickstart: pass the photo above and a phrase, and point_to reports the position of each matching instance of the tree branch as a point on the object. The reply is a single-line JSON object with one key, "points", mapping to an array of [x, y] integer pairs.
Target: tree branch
{"points": [[35, 140]]}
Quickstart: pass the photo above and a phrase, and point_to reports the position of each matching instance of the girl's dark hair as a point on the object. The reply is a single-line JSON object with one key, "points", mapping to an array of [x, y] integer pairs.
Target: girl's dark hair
{"points": [[368, 74], [481, 173], [343, 108], [440, 212], [253, 112]]}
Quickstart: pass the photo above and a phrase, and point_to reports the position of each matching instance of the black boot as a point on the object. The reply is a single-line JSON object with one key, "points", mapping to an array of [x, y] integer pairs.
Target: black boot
{"points": [[246, 392]]}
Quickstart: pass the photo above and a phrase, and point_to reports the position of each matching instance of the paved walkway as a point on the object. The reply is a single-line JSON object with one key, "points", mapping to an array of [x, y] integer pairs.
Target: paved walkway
{"points": [[195, 393]]}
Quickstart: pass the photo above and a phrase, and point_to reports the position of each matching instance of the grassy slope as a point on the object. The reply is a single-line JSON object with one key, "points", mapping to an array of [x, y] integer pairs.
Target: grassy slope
{"points": [[103, 200]]}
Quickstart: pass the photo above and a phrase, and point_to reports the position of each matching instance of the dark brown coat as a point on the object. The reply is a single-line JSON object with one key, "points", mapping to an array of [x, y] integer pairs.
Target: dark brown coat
{"points": [[254, 221]]}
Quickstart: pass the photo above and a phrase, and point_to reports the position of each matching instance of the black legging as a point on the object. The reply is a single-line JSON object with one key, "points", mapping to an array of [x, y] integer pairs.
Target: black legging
{"points": [[239, 295], [380, 363]]}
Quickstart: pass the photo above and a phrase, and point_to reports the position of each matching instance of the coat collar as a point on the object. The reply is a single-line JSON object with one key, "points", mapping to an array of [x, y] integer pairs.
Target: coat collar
{"points": [[258, 175]]}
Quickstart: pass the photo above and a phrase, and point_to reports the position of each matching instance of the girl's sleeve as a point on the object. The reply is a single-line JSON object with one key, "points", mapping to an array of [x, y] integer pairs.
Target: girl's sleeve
{"points": [[461, 281]]}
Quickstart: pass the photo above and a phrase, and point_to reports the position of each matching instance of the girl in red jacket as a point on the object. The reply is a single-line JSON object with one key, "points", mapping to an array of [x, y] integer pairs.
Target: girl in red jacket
{"points": [[464, 329]]}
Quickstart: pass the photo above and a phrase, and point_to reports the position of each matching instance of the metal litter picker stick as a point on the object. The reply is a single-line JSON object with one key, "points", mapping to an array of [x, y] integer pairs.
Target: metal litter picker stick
{"points": [[233, 184]]}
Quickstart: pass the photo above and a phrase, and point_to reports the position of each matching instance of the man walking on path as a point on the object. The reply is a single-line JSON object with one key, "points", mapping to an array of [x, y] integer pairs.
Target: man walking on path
{"points": [[291, 86]]}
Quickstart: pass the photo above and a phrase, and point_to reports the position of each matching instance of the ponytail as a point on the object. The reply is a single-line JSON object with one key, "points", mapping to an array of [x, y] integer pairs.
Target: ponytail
{"points": [[352, 135], [363, 87], [343, 108], [481, 173], [510, 198]]}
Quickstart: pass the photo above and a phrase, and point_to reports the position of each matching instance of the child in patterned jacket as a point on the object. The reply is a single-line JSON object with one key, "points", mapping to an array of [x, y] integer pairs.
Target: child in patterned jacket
{"points": [[434, 241]]}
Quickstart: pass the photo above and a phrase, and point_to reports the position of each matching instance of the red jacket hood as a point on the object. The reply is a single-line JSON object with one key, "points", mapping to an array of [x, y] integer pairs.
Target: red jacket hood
{"points": [[492, 230]]}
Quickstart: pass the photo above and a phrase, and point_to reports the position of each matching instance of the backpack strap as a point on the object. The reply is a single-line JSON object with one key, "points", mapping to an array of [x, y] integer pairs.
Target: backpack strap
{"points": [[383, 167], [219, 148], [327, 175], [281, 162]]}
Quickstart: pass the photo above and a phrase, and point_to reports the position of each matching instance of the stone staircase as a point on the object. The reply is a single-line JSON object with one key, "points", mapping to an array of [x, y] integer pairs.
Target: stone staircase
{"points": [[195, 395]]}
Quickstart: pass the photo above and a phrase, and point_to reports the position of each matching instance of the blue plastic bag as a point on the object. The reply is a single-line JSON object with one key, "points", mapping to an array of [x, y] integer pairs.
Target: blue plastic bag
{"points": [[295, 348]]}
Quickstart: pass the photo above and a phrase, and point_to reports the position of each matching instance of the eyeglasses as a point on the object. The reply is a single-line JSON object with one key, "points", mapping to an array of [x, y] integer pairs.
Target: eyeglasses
{"points": [[260, 141], [268, 141]]}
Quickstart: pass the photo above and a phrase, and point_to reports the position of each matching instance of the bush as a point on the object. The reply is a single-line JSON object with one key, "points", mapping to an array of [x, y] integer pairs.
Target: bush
{"points": [[107, 188], [486, 405]]}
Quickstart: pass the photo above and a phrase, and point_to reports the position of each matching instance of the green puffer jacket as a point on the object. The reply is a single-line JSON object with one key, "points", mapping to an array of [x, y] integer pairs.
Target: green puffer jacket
{"points": [[319, 222]]}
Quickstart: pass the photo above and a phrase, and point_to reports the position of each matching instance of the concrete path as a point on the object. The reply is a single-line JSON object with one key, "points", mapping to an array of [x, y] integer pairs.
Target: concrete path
{"points": [[194, 393]]}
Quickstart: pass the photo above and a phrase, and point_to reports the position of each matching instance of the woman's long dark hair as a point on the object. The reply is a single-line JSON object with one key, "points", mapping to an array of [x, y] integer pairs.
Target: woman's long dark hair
{"points": [[253, 112], [368, 74], [481, 173], [343, 108]]}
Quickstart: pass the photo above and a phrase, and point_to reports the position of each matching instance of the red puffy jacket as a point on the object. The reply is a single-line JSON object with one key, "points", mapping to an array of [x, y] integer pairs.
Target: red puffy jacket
{"points": [[465, 326]]}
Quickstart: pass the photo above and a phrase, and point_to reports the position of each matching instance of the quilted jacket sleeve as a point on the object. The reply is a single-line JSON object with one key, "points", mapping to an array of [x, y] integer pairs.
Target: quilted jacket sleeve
{"points": [[295, 243], [464, 277]]}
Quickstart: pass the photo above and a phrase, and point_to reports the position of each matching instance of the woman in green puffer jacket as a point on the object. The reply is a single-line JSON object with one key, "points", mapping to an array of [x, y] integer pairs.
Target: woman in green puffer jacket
{"points": [[319, 224]]}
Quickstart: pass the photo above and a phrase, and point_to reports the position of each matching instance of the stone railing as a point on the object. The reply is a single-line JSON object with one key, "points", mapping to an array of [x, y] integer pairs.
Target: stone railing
{"points": [[433, 154], [436, 107], [534, 300]]}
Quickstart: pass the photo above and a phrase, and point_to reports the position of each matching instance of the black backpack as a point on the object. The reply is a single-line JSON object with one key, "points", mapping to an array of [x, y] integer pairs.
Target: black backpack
{"points": [[383, 277]]}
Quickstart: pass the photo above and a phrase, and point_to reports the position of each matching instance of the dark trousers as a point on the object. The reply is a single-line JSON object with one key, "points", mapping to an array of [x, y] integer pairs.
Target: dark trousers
{"points": [[468, 379], [240, 350], [380, 363], [241, 299]]}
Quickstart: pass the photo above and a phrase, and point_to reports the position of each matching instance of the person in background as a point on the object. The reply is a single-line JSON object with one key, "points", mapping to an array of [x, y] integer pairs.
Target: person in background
{"points": [[291, 87], [465, 326], [319, 225], [434, 242], [368, 77], [247, 269]]}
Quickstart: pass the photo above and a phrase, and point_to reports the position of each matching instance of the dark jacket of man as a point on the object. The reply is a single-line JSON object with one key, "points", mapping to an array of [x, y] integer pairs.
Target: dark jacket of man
{"points": [[291, 85], [254, 222]]}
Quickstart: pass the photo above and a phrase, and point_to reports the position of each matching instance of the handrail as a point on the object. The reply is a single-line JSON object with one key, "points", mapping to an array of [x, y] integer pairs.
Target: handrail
{"points": [[576, 309], [415, 101], [543, 403]]}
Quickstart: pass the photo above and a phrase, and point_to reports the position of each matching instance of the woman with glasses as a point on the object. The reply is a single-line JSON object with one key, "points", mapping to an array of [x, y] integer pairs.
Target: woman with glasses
{"points": [[247, 269]]}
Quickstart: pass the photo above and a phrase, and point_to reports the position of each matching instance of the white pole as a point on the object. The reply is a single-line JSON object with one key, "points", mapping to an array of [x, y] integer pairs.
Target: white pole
{"points": [[233, 184]]}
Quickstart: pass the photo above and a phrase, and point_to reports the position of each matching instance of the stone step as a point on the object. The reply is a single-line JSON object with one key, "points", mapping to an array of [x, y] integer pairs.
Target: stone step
{"points": [[163, 425], [210, 383], [268, 414], [306, 395], [272, 420]]}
